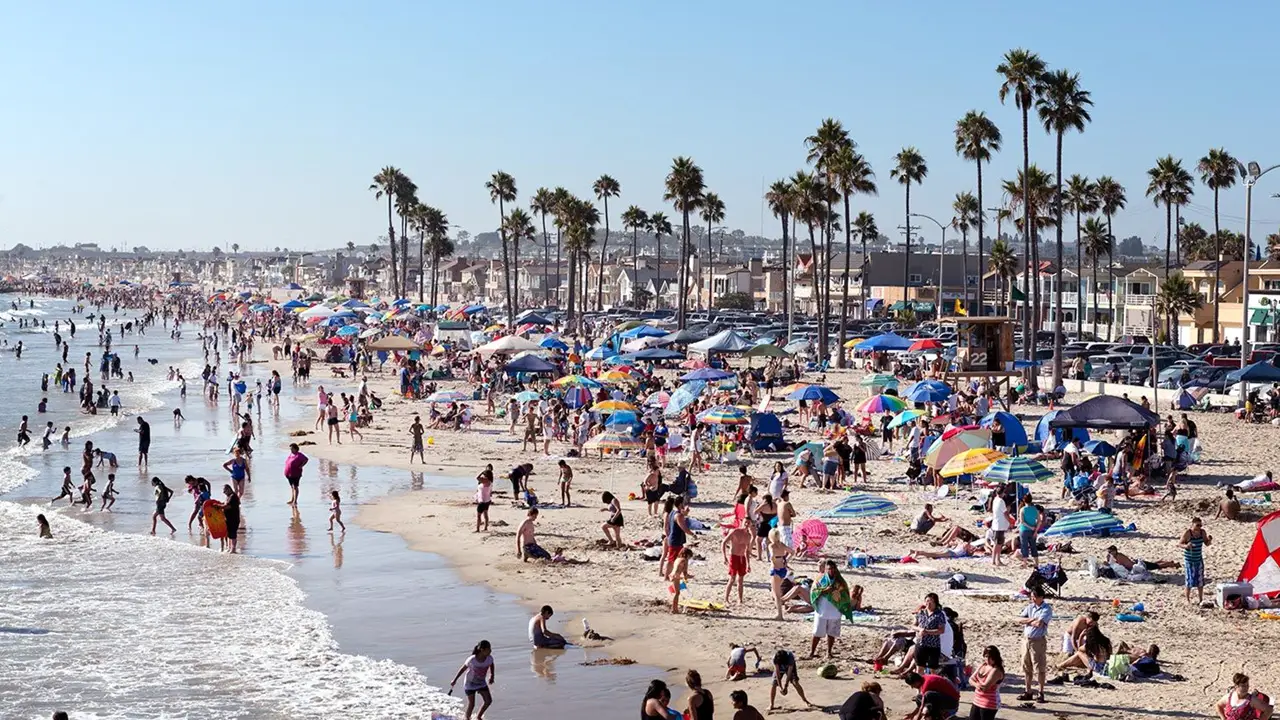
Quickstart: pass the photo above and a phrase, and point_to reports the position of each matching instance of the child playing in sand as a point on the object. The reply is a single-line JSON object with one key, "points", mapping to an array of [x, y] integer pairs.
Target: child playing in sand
{"points": [[335, 511], [679, 574], [738, 661]]}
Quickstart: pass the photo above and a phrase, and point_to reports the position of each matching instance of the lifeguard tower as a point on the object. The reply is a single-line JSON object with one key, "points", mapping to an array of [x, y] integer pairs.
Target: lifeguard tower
{"points": [[984, 349]]}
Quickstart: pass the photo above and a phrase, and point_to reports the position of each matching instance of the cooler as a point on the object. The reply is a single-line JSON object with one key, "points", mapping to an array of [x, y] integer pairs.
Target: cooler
{"points": [[1227, 591], [859, 560]]}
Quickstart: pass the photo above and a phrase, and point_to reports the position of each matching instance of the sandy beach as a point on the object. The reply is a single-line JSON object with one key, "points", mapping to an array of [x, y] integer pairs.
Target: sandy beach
{"points": [[625, 599]]}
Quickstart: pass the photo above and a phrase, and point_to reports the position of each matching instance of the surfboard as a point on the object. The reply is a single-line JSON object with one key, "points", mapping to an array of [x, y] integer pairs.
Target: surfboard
{"points": [[214, 519], [692, 604]]}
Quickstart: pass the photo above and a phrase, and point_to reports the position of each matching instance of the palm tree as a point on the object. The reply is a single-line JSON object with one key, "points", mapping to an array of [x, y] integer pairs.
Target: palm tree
{"points": [[518, 226], [384, 185], [1022, 71], [1165, 182], [435, 226], [781, 198], [712, 212], [977, 137], [560, 198], [1218, 171], [1081, 198], [1003, 262], [684, 188], [235, 248], [1198, 244], [580, 220], [865, 226], [1097, 242], [1273, 246], [810, 208], [417, 221], [502, 190], [542, 204], [823, 147], [604, 187], [853, 175], [967, 212], [635, 220], [406, 204], [351, 246], [1037, 215], [1176, 297], [908, 167], [1062, 107], [660, 226], [1111, 197]]}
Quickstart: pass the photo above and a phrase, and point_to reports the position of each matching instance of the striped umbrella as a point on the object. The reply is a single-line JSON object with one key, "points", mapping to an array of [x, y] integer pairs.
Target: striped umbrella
{"points": [[658, 399], [576, 381], [857, 507], [1087, 522], [576, 397], [943, 450], [614, 440], [793, 387], [1021, 469], [970, 462], [616, 376], [904, 417], [877, 404], [448, 396], [724, 415], [609, 406]]}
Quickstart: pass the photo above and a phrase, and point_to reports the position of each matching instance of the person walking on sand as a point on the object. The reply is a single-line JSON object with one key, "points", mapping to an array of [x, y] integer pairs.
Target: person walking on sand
{"points": [[736, 551], [484, 496], [1192, 543], [163, 495], [335, 511], [331, 415], [1035, 632], [613, 526], [566, 481], [293, 471], [480, 675], [416, 429]]}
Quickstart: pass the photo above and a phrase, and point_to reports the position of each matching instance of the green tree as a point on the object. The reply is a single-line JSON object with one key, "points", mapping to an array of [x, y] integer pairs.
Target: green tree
{"points": [[1037, 215], [1004, 262], [635, 220], [712, 213], [385, 184], [1111, 197], [1097, 242], [684, 188], [560, 200], [822, 150], [351, 246], [604, 187], [660, 226], [1273, 246], [977, 137], [502, 190], [406, 205], [908, 167], [518, 226], [1218, 172], [1081, 198], [1022, 72], [435, 227], [1063, 106], [1165, 183], [781, 198], [581, 219], [865, 226], [967, 212], [853, 176], [811, 209], [1197, 243], [736, 301], [543, 204], [1176, 297]]}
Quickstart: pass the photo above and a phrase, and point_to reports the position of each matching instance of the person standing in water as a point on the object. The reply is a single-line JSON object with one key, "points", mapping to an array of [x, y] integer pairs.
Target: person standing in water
{"points": [[68, 488], [163, 495], [43, 523], [480, 675], [335, 511], [144, 443], [238, 466], [231, 511], [293, 471], [416, 430]]}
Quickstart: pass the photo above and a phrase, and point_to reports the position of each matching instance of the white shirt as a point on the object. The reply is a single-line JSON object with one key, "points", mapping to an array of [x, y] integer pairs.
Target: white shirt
{"points": [[982, 405], [999, 514], [953, 402], [115, 401], [827, 610], [777, 483]]}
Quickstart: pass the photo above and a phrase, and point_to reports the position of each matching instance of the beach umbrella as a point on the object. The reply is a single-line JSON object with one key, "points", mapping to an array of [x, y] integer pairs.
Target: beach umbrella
{"points": [[394, 342], [881, 379], [814, 392], [527, 396], [693, 364], [793, 387], [709, 374], [926, 393], [552, 342], [641, 331], [724, 415], [615, 376], [576, 397], [643, 343], [766, 349], [1021, 470], [1100, 448], [858, 506], [925, 344], [798, 346], [655, 353], [970, 462], [317, 311], [943, 450], [614, 440], [1087, 522], [610, 406], [581, 381], [448, 396], [349, 330], [877, 404], [622, 417], [1014, 433], [885, 341], [683, 397], [601, 353], [904, 417], [957, 430], [529, 364], [508, 345], [658, 399]]}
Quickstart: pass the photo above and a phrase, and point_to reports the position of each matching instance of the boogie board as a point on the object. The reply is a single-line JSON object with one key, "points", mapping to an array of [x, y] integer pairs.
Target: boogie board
{"points": [[692, 604], [214, 519]]}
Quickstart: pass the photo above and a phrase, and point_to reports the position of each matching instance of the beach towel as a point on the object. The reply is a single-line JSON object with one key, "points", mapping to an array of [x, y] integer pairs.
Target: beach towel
{"points": [[838, 595]]}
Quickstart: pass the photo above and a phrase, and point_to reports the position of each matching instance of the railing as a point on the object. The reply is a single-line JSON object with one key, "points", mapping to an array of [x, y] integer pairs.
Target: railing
{"points": [[1135, 300]]}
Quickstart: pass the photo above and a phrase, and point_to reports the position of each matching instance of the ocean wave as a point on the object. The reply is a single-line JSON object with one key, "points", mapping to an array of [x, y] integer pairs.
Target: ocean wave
{"points": [[146, 627]]}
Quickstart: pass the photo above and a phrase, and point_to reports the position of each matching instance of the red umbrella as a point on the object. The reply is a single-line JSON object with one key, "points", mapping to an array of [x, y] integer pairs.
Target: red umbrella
{"points": [[926, 344], [957, 430]]}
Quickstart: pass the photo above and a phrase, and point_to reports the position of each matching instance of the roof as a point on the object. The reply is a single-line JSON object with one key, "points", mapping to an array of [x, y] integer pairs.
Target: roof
{"points": [[886, 269]]}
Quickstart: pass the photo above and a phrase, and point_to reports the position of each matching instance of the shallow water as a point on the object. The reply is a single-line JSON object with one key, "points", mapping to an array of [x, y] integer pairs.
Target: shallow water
{"points": [[110, 623]]}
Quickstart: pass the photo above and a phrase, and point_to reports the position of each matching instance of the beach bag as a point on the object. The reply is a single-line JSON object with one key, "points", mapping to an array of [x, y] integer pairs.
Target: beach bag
{"points": [[1117, 667]]}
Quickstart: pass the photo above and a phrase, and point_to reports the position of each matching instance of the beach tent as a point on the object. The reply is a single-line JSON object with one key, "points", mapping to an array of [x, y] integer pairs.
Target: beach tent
{"points": [[1014, 433], [658, 354], [705, 374], [1262, 564], [1259, 372], [1087, 522], [1043, 429], [1106, 412], [508, 345], [529, 364], [319, 311], [765, 432], [532, 318], [294, 305], [726, 341], [683, 337], [885, 341], [641, 331], [394, 342]]}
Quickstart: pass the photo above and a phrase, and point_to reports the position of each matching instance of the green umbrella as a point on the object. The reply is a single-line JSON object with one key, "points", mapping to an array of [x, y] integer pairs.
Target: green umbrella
{"points": [[766, 350]]}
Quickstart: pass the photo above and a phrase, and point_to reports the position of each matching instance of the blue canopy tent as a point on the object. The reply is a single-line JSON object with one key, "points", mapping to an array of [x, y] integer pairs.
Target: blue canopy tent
{"points": [[1259, 372], [473, 309], [530, 364], [727, 341], [354, 303], [652, 354], [1014, 433], [641, 331], [293, 305], [705, 374], [1064, 435], [601, 353], [1105, 412], [532, 318], [884, 341], [554, 343]]}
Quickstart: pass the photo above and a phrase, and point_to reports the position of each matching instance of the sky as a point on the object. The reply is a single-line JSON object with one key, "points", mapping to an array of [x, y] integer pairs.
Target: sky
{"points": [[193, 125]]}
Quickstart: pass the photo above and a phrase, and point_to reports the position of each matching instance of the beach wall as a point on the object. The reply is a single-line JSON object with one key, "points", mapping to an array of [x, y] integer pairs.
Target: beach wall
{"points": [[1161, 398]]}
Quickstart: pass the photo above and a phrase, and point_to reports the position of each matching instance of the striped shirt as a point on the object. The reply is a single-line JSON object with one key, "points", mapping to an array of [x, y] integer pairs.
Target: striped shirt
{"points": [[1192, 553]]}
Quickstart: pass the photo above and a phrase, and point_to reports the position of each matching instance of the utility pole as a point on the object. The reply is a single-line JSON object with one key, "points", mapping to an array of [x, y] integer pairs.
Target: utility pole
{"points": [[907, 230], [942, 253]]}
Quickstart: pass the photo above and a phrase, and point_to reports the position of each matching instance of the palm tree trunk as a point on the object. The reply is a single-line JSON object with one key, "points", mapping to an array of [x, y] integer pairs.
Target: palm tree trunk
{"points": [[635, 266], [906, 264], [546, 263], [1028, 338], [964, 270], [844, 305], [1111, 282], [826, 286], [515, 273], [573, 264], [1095, 296], [786, 265], [981, 253], [1217, 268], [391, 240], [603, 248], [657, 282], [421, 244], [559, 245], [710, 271], [1057, 285], [435, 278], [682, 275], [862, 275], [813, 248], [506, 263], [1079, 275], [1168, 243]]}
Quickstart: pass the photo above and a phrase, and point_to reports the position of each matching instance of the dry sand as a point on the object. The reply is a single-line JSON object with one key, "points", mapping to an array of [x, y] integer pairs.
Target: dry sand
{"points": [[624, 597]]}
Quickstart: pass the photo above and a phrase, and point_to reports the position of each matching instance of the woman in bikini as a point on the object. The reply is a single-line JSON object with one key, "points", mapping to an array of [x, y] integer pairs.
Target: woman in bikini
{"points": [[778, 554]]}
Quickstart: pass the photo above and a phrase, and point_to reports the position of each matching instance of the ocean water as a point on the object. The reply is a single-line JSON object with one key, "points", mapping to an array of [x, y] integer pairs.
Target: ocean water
{"points": [[106, 621]]}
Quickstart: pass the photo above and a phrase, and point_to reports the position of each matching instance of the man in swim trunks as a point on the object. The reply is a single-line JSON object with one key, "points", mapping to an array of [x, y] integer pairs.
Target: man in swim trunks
{"points": [[736, 552], [416, 430], [526, 542]]}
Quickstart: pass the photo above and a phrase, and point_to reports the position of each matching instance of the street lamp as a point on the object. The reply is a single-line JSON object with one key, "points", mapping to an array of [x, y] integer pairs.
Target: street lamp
{"points": [[1250, 174], [942, 252]]}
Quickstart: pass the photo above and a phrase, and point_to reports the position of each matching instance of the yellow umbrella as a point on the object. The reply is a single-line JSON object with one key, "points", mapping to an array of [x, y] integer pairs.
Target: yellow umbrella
{"points": [[615, 376], [970, 462], [609, 406]]}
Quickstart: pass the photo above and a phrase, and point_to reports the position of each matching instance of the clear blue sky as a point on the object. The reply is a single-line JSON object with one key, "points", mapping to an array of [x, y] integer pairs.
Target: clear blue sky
{"points": [[180, 124]]}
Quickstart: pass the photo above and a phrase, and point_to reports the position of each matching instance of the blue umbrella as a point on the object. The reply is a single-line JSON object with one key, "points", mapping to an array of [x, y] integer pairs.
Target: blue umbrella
{"points": [[857, 507], [640, 331], [354, 303], [295, 286], [246, 293], [601, 353], [1100, 448], [924, 392], [683, 396], [335, 321], [1088, 522], [1020, 470], [706, 374], [623, 417], [293, 304], [473, 309], [400, 301], [886, 341], [814, 392], [262, 308], [1014, 433], [441, 308], [348, 330], [553, 343]]}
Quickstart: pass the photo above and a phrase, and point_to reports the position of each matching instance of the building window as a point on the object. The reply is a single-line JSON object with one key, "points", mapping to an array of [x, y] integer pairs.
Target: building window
{"points": [[1271, 284], [971, 280], [915, 278]]}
